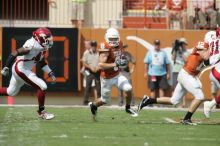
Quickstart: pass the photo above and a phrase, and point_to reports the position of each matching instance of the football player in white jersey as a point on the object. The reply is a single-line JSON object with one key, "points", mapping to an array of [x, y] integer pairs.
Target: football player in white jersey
{"points": [[21, 63], [213, 38]]}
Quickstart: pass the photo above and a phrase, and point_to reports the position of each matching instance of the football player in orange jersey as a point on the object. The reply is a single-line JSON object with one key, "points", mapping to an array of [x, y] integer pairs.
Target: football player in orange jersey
{"points": [[111, 59], [188, 81]]}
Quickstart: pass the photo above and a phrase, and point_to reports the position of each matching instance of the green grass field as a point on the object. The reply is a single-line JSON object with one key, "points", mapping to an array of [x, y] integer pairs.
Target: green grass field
{"points": [[19, 126]]}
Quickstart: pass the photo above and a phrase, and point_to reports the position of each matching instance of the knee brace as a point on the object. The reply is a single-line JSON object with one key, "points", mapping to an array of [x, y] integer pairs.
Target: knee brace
{"points": [[127, 87]]}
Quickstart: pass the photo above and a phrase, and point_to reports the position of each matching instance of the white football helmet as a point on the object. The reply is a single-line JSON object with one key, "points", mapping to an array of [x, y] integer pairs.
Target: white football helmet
{"points": [[112, 37], [210, 36]]}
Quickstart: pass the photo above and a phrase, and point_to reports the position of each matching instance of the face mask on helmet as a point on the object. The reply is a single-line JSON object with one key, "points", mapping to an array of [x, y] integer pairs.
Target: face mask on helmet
{"points": [[112, 37], [44, 37], [48, 42]]}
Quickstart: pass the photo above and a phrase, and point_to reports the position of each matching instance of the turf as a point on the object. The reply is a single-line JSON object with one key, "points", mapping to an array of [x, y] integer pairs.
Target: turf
{"points": [[19, 126]]}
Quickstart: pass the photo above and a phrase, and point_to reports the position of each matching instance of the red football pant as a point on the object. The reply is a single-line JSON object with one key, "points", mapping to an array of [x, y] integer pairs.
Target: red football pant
{"points": [[41, 97], [3, 91], [217, 99]]}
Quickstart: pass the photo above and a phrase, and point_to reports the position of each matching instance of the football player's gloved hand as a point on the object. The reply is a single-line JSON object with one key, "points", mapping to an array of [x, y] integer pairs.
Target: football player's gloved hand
{"points": [[53, 77], [5, 71], [121, 61], [206, 62]]}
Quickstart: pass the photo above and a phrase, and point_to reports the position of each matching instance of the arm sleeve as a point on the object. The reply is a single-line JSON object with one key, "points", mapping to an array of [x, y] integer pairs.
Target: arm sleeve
{"points": [[11, 58], [42, 63], [167, 61], [84, 57], [44, 66], [147, 58]]}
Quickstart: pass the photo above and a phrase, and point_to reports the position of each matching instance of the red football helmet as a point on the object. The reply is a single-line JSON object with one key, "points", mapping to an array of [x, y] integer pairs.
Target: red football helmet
{"points": [[218, 32], [44, 37]]}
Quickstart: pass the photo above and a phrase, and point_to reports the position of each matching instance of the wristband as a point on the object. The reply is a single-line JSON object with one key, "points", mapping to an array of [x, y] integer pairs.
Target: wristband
{"points": [[46, 69]]}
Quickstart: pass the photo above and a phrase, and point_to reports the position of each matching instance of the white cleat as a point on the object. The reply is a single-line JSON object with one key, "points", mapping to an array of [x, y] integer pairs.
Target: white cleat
{"points": [[207, 109], [46, 116], [134, 115], [132, 112]]}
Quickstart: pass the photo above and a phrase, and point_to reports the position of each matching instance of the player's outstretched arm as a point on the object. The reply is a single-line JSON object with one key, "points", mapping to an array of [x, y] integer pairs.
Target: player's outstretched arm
{"points": [[204, 54], [102, 61], [11, 58], [45, 67]]}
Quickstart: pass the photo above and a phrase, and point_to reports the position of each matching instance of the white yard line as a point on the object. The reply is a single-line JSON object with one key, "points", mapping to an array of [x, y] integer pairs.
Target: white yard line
{"points": [[169, 120], [60, 136], [198, 139], [106, 107]]}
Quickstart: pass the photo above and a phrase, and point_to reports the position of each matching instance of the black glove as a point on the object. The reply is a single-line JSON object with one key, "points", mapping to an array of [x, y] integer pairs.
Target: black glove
{"points": [[206, 62]]}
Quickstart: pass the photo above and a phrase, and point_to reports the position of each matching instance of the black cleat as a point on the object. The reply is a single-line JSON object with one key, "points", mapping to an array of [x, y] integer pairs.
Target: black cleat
{"points": [[144, 102], [188, 122], [131, 112], [93, 109]]}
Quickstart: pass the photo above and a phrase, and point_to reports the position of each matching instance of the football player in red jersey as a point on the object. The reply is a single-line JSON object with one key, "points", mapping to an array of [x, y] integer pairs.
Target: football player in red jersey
{"points": [[21, 63], [111, 59], [213, 38]]}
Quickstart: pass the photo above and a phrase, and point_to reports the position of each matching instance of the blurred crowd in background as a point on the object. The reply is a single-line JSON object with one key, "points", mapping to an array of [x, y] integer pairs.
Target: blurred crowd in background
{"points": [[151, 14], [204, 13]]}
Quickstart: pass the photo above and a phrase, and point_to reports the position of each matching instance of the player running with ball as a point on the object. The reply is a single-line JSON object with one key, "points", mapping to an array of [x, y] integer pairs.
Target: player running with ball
{"points": [[21, 63], [188, 81], [111, 59]]}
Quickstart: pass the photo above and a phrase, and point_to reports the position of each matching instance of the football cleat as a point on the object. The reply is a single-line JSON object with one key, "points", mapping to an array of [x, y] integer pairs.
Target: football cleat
{"points": [[188, 122], [93, 109], [144, 102], [207, 109], [131, 112], [44, 115]]}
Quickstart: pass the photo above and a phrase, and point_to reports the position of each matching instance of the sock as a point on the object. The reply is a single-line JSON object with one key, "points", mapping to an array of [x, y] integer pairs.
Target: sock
{"points": [[94, 106], [3, 92], [217, 99], [41, 108], [41, 99], [127, 107], [152, 100], [188, 116]]}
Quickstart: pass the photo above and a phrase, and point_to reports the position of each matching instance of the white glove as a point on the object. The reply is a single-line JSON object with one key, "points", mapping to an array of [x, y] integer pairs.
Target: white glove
{"points": [[53, 77], [121, 61], [5, 71]]}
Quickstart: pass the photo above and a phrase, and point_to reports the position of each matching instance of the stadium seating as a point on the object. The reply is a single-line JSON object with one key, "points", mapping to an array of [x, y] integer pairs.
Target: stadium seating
{"points": [[142, 14]]}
